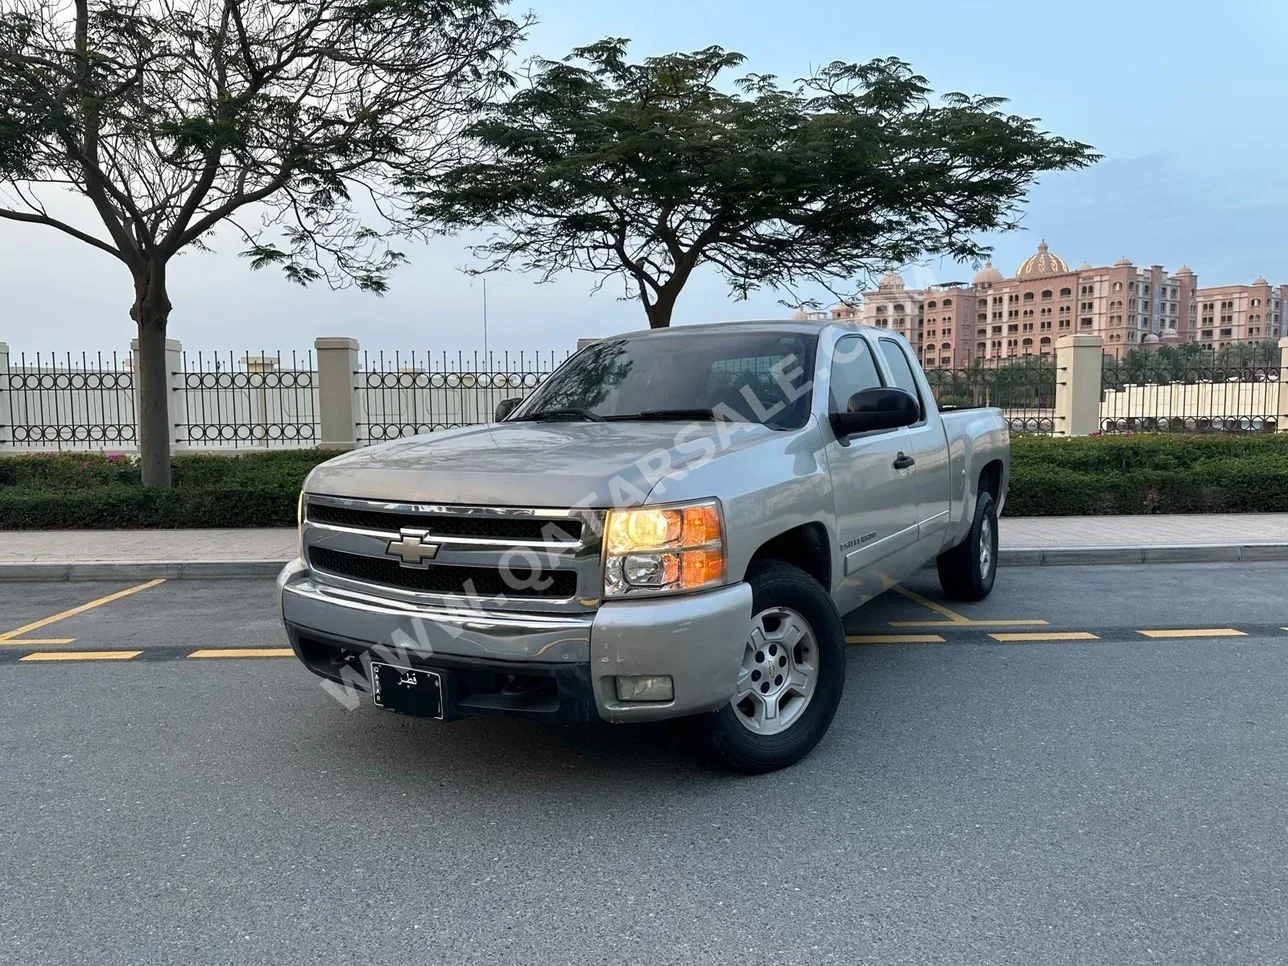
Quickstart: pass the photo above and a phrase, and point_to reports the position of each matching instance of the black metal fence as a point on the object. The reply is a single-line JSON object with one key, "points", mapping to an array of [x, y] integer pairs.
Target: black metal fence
{"points": [[246, 400], [1234, 390], [68, 402], [403, 394], [1024, 391]]}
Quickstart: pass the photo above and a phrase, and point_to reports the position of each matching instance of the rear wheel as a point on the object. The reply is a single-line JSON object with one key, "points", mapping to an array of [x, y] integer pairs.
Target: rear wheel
{"points": [[967, 571], [790, 683]]}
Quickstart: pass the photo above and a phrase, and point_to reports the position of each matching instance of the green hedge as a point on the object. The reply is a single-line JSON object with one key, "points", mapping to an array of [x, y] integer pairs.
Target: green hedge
{"points": [[1092, 475], [1148, 473], [82, 492]]}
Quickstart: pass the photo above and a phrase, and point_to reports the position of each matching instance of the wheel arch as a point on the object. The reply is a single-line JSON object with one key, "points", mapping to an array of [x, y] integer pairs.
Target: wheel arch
{"points": [[806, 546]]}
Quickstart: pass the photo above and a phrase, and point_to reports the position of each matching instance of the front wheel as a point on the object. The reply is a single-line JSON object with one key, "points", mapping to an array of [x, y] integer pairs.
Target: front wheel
{"points": [[967, 571], [792, 674]]}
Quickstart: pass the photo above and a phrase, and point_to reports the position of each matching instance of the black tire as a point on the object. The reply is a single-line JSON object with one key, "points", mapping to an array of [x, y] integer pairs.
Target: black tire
{"points": [[963, 572], [780, 585]]}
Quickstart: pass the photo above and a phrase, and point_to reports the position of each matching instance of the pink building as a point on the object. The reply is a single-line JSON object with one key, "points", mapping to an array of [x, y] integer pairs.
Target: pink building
{"points": [[1240, 313], [1129, 306]]}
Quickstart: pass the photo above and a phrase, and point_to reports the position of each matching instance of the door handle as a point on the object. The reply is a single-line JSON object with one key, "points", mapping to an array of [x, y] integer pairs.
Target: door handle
{"points": [[903, 461]]}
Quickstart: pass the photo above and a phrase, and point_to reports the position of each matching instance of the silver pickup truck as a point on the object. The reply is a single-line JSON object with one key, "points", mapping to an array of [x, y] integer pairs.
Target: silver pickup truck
{"points": [[671, 526]]}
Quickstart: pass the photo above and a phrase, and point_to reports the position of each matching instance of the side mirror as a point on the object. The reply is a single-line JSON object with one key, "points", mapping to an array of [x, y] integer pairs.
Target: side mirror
{"points": [[873, 409], [505, 407]]}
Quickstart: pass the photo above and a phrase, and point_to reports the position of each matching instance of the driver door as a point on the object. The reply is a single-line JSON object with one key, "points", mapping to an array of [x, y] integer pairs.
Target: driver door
{"points": [[873, 486]]}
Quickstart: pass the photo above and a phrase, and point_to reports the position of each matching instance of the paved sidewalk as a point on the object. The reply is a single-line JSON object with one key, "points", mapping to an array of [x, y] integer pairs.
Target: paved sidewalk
{"points": [[1042, 533]]}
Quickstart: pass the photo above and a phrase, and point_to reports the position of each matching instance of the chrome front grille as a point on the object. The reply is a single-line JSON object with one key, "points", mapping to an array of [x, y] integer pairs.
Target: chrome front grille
{"points": [[518, 530], [529, 559]]}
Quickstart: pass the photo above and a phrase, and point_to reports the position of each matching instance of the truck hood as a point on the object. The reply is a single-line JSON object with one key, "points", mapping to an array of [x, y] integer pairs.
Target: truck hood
{"points": [[530, 464]]}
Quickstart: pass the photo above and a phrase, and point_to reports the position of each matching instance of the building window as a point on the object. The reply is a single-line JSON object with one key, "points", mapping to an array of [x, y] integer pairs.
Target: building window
{"points": [[948, 303], [1085, 323], [1028, 296], [1066, 293], [931, 305], [1118, 286]]}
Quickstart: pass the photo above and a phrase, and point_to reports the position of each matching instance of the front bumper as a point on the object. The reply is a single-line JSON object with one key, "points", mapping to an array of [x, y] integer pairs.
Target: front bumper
{"points": [[571, 661]]}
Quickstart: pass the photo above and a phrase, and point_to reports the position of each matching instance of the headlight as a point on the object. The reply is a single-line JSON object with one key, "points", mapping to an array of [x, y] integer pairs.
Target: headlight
{"points": [[663, 549]]}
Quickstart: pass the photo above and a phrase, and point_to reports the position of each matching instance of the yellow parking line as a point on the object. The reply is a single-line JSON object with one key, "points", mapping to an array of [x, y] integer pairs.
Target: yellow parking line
{"points": [[35, 625], [1047, 636], [1196, 632], [953, 616], [44, 640], [968, 623], [81, 656], [894, 639], [243, 652], [954, 619]]}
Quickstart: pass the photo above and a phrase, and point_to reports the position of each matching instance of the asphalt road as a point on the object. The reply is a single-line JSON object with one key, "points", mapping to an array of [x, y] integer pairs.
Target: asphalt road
{"points": [[1117, 800]]}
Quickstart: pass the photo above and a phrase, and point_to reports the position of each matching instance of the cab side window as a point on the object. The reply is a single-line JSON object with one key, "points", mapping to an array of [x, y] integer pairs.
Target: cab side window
{"points": [[853, 370], [901, 370]]}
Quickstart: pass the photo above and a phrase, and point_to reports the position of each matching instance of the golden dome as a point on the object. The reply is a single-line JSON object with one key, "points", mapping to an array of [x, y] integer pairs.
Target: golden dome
{"points": [[1043, 263]]}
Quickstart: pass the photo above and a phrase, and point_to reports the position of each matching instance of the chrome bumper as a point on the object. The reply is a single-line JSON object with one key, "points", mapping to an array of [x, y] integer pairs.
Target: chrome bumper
{"points": [[697, 640]]}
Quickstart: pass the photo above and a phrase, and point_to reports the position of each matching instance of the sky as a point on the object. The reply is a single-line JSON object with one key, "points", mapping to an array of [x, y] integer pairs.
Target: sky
{"points": [[1185, 100]]}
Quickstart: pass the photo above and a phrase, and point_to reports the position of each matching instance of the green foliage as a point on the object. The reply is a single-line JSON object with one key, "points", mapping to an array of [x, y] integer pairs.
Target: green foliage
{"points": [[80, 491], [1190, 363], [647, 170], [1148, 473], [1145, 473]]}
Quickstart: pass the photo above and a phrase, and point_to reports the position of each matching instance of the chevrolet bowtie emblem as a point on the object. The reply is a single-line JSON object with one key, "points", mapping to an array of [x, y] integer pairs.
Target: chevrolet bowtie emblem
{"points": [[411, 550]]}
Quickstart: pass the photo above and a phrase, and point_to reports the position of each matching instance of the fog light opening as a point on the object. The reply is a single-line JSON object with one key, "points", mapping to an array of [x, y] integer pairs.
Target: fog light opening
{"points": [[645, 687]]}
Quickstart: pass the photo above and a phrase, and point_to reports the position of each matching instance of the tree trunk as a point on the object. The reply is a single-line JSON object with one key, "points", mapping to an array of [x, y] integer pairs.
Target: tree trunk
{"points": [[659, 313], [151, 312]]}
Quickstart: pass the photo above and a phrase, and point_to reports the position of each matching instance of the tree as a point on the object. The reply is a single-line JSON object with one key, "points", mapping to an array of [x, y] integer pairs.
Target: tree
{"points": [[647, 171], [295, 125]]}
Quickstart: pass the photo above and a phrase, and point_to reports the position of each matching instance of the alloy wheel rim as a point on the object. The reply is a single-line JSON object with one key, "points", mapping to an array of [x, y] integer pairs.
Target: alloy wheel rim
{"points": [[986, 548], [779, 672]]}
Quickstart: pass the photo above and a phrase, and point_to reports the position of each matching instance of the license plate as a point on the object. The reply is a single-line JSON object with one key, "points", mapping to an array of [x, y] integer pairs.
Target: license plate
{"points": [[407, 690]]}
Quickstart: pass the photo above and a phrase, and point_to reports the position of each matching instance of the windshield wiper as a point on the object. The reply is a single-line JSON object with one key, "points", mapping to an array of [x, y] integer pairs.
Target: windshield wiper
{"points": [[563, 414], [662, 414]]}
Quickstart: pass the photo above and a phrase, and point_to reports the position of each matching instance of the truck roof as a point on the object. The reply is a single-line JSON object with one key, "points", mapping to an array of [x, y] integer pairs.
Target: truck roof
{"points": [[751, 325]]}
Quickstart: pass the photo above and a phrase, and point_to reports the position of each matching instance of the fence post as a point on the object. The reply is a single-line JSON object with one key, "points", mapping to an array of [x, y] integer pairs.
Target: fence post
{"points": [[6, 413], [177, 404], [337, 400], [1078, 360], [1281, 416]]}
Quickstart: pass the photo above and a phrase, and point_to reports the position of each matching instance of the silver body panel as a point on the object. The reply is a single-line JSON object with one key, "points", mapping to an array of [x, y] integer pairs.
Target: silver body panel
{"points": [[881, 523]]}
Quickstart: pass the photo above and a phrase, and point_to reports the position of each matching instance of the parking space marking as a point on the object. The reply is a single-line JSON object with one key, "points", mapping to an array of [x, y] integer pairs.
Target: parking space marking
{"points": [[1046, 636], [894, 639], [243, 652], [954, 619], [9, 637], [1196, 632], [81, 656]]}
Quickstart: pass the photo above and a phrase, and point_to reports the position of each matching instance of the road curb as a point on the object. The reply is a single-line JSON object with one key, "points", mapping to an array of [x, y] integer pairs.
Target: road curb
{"points": [[139, 570], [1009, 557], [1110, 556]]}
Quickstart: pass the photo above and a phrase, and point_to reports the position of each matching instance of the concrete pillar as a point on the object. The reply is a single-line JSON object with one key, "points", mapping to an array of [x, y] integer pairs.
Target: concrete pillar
{"points": [[337, 399], [1281, 414], [177, 403], [1078, 359], [6, 410]]}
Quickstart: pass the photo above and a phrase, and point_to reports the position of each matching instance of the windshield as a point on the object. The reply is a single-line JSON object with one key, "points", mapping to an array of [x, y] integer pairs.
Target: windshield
{"points": [[760, 377]]}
